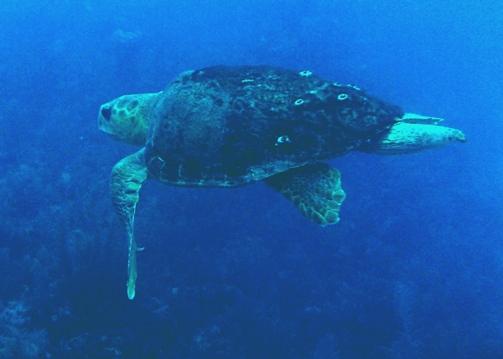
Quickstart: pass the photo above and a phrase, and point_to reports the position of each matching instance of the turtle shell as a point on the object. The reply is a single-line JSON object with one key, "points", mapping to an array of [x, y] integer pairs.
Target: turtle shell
{"points": [[226, 126]]}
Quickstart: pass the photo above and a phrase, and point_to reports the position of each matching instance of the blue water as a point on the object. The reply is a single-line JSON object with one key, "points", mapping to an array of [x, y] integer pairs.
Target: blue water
{"points": [[413, 270]]}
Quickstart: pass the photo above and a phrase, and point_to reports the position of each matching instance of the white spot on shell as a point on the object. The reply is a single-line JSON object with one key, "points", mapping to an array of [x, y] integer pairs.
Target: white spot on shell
{"points": [[282, 139], [342, 96]]}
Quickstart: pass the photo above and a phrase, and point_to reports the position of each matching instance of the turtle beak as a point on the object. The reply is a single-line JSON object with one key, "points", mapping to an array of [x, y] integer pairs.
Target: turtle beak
{"points": [[411, 117], [105, 112], [104, 117]]}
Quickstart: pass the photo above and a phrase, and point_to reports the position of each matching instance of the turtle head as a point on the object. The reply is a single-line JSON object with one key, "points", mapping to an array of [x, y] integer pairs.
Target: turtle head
{"points": [[126, 118]]}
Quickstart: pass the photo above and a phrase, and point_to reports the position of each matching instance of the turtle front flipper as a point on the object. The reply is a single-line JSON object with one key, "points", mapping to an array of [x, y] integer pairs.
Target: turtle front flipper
{"points": [[314, 189], [128, 176]]}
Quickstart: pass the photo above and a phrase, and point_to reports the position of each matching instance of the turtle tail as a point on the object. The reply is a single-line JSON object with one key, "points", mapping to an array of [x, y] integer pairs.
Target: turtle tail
{"points": [[128, 175]]}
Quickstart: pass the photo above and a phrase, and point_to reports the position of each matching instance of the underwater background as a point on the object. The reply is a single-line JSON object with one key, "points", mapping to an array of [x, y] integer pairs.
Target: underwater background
{"points": [[413, 270]]}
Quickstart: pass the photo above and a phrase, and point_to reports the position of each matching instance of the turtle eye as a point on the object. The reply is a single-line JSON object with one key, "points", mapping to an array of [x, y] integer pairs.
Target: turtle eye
{"points": [[105, 112]]}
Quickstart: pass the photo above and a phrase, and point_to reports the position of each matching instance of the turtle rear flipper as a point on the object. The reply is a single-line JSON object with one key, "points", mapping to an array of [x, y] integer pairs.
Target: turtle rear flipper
{"points": [[404, 137], [314, 189], [128, 176]]}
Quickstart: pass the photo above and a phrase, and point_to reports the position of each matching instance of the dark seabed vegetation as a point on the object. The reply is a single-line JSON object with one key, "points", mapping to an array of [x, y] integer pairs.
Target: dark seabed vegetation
{"points": [[413, 270]]}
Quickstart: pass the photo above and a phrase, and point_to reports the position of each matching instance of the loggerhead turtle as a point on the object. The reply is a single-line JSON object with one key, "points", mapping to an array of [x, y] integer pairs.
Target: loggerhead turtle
{"points": [[229, 126]]}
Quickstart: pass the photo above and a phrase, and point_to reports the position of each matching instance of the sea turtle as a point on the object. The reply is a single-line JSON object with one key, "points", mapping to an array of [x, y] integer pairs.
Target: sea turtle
{"points": [[229, 126]]}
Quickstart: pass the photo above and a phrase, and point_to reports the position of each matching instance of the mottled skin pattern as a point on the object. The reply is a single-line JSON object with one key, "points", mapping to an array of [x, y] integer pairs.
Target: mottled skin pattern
{"points": [[315, 190], [226, 126], [127, 117]]}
